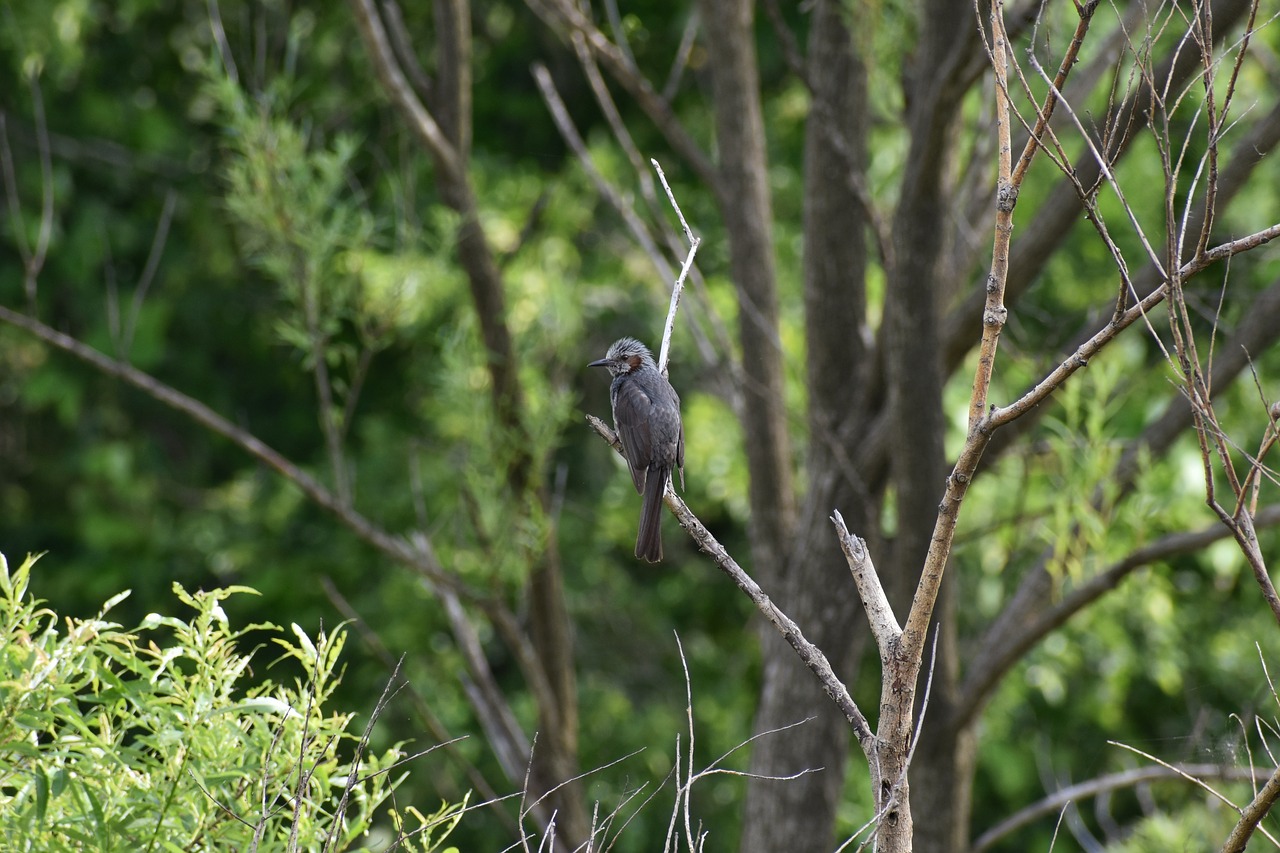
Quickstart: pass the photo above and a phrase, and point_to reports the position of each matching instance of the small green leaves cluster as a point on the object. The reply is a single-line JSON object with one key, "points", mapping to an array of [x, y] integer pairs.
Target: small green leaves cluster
{"points": [[163, 738]]}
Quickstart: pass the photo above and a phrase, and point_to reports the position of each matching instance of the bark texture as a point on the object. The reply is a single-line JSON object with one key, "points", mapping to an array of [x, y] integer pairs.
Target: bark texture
{"points": [[914, 372], [816, 589], [748, 217]]}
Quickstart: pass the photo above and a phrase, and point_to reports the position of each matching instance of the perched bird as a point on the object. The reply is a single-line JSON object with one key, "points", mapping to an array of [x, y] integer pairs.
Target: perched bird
{"points": [[646, 415]]}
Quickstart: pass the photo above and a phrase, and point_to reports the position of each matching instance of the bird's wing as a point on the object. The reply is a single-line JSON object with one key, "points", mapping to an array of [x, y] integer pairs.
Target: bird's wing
{"points": [[631, 407]]}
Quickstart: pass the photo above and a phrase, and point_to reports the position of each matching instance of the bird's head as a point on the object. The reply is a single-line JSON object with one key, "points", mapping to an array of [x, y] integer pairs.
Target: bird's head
{"points": [[625, 356]]}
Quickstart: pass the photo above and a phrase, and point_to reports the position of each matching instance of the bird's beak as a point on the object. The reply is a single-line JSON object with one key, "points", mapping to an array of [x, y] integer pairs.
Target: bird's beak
{"points": [[601, 362]]}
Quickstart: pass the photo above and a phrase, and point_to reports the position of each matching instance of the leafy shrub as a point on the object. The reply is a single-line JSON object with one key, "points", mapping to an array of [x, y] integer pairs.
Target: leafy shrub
{"points": [[156, 739]]}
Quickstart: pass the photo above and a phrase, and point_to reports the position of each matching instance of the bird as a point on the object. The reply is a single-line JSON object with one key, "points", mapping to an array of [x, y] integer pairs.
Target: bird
{"points": [[646, 417]]}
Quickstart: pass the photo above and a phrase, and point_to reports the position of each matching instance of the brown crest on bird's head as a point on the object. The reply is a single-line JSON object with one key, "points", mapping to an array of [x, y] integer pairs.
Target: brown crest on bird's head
{"points": [[625, 356]]}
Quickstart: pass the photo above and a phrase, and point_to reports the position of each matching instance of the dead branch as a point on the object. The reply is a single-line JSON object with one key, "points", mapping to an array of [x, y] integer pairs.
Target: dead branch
{"points": [[810, 654], [884, 626], [1059, 799], [565, 17]]}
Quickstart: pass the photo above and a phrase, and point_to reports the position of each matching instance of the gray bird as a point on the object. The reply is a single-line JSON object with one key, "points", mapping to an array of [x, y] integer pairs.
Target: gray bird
{"points": [[646, 415]]}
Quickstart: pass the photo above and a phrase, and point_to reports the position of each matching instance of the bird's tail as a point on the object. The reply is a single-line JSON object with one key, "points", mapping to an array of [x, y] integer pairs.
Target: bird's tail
{"points": [[649, 537]]}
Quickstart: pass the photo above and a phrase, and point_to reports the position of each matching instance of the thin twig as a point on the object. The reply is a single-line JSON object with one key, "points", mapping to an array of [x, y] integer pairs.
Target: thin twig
{"points": [[35, 263], [1063, 797], [678, 289], [1195, 780]]}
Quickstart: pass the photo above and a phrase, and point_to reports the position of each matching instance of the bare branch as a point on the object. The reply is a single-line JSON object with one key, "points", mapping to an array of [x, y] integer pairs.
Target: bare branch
{"points": [[392, 546], [565, 15], [681, 60], [560, 114], [678, 289], [994, 314], [397, 86], [1195, 780], [1059, 799], [408, 60], [810, 654], [884, 625]]}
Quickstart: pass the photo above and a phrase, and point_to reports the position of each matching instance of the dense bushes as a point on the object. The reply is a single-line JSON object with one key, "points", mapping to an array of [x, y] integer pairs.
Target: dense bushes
{"points": [[168, 737]]}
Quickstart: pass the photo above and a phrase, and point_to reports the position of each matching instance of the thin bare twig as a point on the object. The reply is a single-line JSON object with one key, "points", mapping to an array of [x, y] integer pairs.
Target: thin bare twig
{"points": [[569, 132], [678, 288], [1195, 780], [1059, 799], [35, 262]]}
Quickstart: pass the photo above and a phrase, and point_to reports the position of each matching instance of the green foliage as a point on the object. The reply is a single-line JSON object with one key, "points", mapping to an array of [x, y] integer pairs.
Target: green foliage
{"points": [[157, 738], [1198, 823], [308, 231]]}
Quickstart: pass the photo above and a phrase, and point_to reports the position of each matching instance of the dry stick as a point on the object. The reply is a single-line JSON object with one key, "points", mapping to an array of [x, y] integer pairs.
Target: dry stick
{"points": [[1252, 484], [565, 15], [994, 314], [560, 114], [1216, 121], [678, 289], [884, 626], [1045, 113], [1246, 537]]}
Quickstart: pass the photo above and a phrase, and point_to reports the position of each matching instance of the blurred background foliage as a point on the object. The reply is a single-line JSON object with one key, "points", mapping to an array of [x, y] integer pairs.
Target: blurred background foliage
{"points": [[300, 222]]}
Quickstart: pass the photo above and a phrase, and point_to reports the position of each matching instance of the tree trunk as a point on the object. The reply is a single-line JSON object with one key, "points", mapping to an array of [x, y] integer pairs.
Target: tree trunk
{"points": [[914, 371], [816, 591], [748, 216]]}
